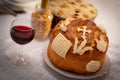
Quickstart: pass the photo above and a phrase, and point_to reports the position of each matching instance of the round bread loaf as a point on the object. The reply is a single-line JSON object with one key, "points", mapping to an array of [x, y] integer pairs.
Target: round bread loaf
{"points": [[63, 9], [78, 46]]}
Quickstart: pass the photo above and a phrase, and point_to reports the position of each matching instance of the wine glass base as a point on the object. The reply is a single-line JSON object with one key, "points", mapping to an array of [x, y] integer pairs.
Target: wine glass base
{"points": [[16, 57], [20, 61]]}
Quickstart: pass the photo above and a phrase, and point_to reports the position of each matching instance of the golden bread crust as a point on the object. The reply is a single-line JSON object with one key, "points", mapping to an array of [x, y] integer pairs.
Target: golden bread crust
{"points": [[74, 62]]}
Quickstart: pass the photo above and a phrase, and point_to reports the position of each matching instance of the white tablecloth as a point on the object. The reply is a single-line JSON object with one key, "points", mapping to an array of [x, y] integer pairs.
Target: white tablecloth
{"points": [[108, 15]]}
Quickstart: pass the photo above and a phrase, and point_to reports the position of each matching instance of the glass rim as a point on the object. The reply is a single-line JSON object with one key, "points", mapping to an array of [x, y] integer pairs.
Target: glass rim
{"points": [[28, 20], [21, 19]]}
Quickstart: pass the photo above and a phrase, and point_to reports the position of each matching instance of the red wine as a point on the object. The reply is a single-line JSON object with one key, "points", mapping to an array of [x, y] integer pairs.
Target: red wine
{"points": [[22, 34]]}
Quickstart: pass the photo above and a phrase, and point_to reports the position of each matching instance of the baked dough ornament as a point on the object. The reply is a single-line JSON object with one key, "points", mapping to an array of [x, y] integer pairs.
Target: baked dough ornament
{"points": [[84, 30], [61, 45], [93, 66], [101, 44], [81, 49]]}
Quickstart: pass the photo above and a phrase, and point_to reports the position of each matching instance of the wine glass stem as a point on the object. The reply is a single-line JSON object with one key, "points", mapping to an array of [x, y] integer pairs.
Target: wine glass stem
{"points": [[21, 58]]}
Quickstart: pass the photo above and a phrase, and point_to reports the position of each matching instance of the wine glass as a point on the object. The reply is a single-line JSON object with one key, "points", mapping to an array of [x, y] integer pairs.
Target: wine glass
{"points": [[22, 33]]}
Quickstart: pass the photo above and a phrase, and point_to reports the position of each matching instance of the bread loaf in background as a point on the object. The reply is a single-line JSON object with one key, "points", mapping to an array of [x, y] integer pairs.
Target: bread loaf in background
{"points": [[63, 9]]}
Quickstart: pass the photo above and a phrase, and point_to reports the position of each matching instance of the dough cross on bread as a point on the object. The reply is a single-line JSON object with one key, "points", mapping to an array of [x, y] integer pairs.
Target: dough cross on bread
{"points": [[84, 30], [82, 48]]}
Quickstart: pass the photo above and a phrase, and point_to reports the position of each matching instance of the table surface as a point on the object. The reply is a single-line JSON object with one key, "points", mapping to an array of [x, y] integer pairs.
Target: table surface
{"points": [[108, 15]]}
